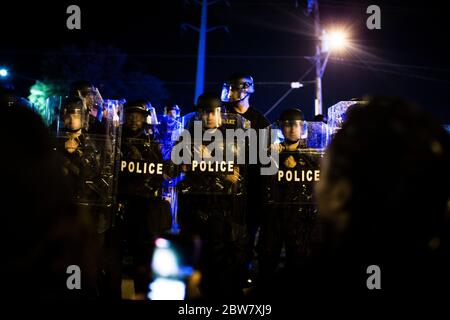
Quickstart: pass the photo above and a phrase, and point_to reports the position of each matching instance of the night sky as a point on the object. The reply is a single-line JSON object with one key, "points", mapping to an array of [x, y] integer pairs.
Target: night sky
{"points": [[408, 57]]}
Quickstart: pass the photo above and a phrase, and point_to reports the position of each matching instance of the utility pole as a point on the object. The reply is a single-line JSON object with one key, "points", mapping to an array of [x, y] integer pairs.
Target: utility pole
{"points": [[201, 55], [200, 79], [318, 33]]}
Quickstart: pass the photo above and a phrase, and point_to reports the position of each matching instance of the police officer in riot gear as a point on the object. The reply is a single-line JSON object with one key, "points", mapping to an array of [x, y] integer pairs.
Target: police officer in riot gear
{"points": [[169, 128], [291, 121], [211, 206], [172, 111], [170, 122], [290, 216], [81, 165], [92, 153], [80, 155], [144, 212], [152, 123], [236, 93], [93, 101]]}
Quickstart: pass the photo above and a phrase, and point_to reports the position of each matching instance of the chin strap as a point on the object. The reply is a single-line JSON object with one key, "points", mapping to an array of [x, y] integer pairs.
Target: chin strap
{"points": [[289, 142], [72, 130], [234, 103]]}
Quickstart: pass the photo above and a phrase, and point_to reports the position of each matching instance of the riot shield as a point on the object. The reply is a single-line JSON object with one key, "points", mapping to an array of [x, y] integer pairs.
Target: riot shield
{"points": [[338, 113], [213, 179], [142, 168], [212, 198], [89, 160], [112, 114], [169, 130], [298, 164], [51, 111], [289, 215], [145, 210], [169, 133], [187, 121], [210, 156]]}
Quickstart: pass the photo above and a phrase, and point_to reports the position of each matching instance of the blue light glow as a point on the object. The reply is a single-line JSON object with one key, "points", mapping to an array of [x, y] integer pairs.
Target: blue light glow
{"points": [[3, 72]]}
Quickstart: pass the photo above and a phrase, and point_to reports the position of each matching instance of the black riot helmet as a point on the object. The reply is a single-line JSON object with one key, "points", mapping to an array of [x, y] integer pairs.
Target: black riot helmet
{"points": [[208, 101], [238, 82], [143, 107], [139, 106], [172, 107], [292, 114], [82, 88], [292, 124], [73, 113], [209, 108], [72, 105]]}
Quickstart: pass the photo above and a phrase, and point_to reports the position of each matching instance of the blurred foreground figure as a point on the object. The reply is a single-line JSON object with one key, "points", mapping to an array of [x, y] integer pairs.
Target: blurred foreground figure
{"points": [[384, 192], [42, 233]]}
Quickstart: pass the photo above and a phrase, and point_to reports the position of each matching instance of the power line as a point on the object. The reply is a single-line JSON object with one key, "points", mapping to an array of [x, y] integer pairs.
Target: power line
{"points": [[411, 75], [288, 92], [235, 56], [238, 56]]}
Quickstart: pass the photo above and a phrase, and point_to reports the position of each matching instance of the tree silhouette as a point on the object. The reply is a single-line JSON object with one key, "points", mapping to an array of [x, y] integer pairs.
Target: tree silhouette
{"points": [[107, 68]]}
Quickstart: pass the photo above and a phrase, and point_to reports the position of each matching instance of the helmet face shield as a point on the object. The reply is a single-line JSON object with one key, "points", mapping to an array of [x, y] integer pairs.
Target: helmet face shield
{"points": [[73, 116], [140, 114], [152, 119], [134, 120], [211, 118], [73, 120], [92, 97], [293, 130], [172, 112], [233, 91], [226, 93]]}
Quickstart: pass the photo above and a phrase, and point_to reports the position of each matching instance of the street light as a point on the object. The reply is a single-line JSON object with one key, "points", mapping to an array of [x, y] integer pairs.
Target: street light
{"points": [[296, 85], [334, 41], [3, 72]]}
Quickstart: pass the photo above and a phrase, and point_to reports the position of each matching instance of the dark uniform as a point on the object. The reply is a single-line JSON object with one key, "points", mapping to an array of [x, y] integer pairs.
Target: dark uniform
{"points": [[211, 206], [243, 85], [80, 160], [289, 219], [144, 214], [80, 157], [105, 135]]}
